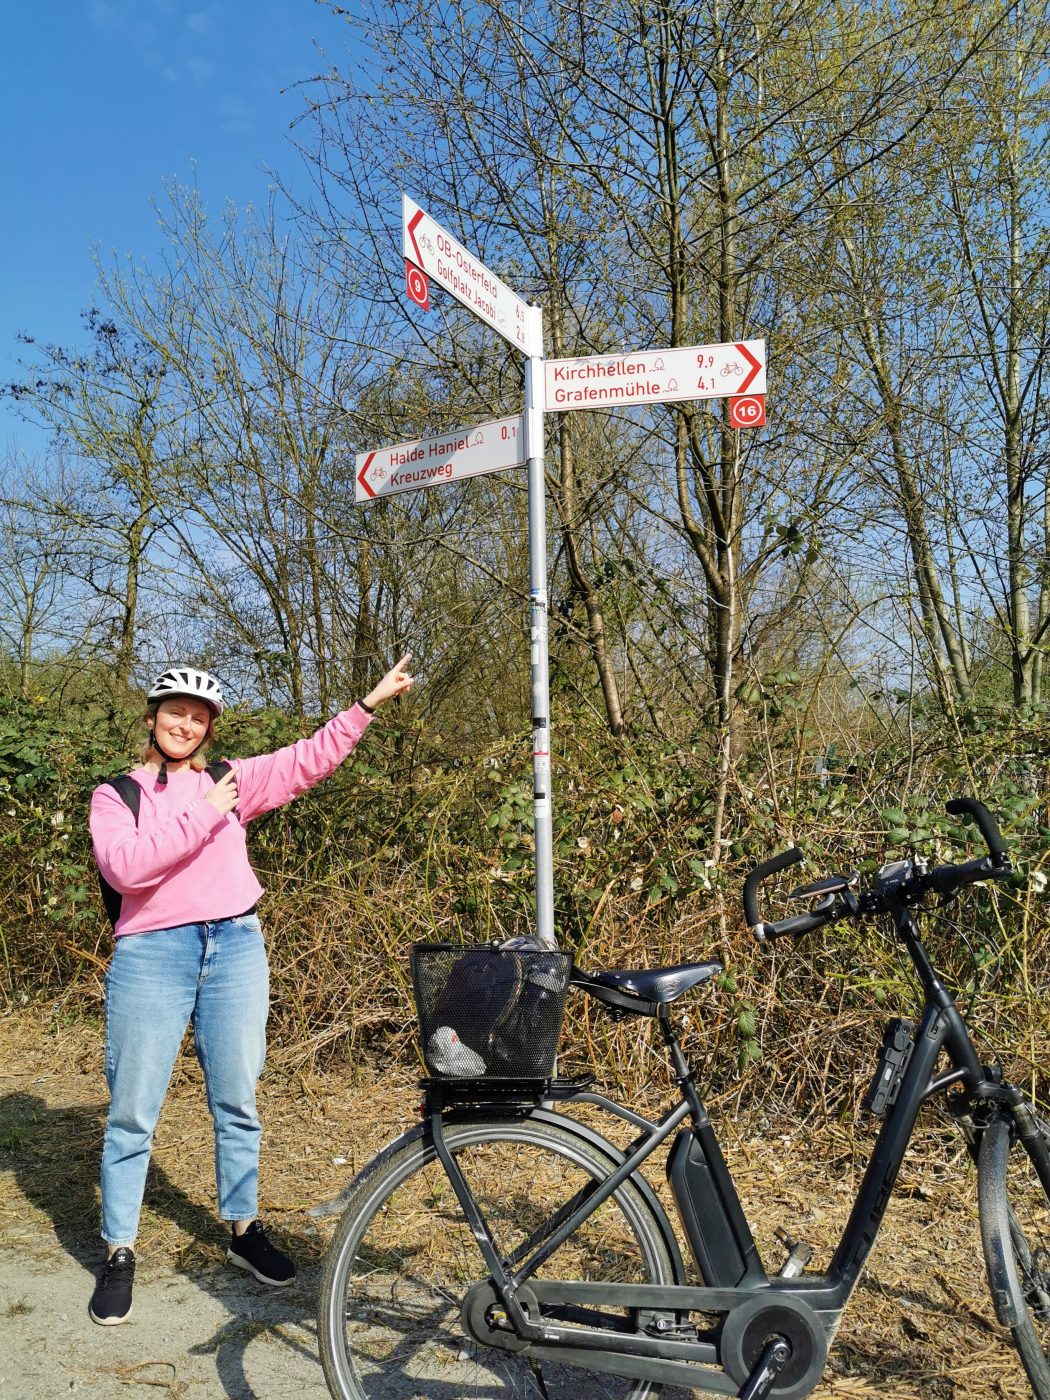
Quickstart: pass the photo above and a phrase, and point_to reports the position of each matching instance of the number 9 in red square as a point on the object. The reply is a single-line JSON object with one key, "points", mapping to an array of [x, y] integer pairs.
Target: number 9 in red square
{"points": [[417, 285]]}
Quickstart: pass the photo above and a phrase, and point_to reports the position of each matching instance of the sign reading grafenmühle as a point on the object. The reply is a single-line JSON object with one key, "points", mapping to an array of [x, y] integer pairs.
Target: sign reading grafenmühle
{"points": [[656, 376]]}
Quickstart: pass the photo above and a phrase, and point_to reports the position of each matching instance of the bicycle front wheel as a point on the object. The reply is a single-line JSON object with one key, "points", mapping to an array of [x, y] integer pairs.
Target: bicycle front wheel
{"points": [[1014, 1198], [403, 1257]]}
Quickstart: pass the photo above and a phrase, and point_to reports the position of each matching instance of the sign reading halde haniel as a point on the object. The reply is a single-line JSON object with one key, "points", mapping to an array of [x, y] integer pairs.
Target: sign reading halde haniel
{"points": [[656, 376], [413, 466]]}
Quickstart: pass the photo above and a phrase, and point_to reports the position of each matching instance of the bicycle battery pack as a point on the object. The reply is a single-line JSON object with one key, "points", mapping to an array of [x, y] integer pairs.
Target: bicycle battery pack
{"points": [[897, 1042], [710, 1211]]}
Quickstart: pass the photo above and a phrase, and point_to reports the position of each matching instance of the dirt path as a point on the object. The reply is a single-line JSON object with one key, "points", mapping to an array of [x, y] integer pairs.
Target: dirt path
{"points": [[187, 1337], [920, 1325]]}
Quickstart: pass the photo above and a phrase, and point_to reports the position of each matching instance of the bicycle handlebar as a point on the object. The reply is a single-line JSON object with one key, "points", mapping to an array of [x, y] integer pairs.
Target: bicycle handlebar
{"points": [[987, 824], [762, 872], [945, 880]]}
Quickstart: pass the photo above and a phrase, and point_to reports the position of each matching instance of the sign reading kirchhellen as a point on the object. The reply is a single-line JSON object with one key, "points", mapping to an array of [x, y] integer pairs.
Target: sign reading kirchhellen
{"points": [[413, 466], [656, 376]]}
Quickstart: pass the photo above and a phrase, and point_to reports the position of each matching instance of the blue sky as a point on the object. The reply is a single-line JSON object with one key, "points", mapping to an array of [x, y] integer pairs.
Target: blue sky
{"points": [[101, 102]]}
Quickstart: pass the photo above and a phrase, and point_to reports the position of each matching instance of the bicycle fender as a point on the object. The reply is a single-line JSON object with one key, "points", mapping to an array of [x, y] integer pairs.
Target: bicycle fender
{"points": [[333, 1207], [994, 1217]]}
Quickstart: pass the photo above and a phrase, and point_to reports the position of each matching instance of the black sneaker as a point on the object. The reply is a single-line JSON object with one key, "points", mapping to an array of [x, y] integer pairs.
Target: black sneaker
{"points": [[111, 1300], [254, 1252]]}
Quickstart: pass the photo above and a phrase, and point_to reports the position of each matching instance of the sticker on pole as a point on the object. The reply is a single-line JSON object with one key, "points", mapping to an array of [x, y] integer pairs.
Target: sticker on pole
{"points": [[463, 452], [748, 411], [417, 286]]}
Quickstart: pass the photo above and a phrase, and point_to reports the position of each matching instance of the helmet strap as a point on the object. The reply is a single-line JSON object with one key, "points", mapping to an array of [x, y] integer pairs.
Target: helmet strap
{"points": [[166, 758]]}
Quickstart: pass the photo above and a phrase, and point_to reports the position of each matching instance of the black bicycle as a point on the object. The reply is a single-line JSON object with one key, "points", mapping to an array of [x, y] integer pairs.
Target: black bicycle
{"points": [[503, 1247]]}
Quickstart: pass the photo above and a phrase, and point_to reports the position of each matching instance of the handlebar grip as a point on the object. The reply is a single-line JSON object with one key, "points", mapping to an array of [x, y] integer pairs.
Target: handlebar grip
{"points": [[763, 872], [949, 878], [798, 923], [969, 806]]}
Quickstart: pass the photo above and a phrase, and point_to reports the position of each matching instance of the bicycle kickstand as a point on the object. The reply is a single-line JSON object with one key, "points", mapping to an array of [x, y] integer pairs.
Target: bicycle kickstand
{"points": [[537, 1374], [770, 1364]]}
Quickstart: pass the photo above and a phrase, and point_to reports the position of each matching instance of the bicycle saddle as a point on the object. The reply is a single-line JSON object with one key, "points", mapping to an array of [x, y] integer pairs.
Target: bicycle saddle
{"points": [[644, 991]]}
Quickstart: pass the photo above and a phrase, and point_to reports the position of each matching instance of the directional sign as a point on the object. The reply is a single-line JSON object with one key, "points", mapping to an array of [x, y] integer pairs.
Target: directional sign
{"points": [[413, 466], [447, 262], [656, 376]]}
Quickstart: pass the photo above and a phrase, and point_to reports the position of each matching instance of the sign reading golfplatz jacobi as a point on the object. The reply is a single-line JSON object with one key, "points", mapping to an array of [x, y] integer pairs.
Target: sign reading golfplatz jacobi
{"points": [[656, 376], [411, 466], [433, 250]]}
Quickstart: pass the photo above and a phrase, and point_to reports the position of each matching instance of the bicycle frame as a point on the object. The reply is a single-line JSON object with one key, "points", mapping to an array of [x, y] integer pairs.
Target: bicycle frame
{"points": [[814, 1298]]}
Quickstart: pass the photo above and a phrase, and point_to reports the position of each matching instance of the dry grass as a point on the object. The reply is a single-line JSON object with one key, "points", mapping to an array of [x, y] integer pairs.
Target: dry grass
{"points": [[920, 1324]]}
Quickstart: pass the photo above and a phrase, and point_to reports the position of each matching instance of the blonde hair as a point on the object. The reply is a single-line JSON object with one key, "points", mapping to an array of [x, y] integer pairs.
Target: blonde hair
{"points": [[198, 762]]}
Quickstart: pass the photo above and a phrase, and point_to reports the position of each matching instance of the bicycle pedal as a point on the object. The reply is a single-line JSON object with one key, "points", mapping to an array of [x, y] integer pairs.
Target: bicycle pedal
{"points": [[799, 1254]]}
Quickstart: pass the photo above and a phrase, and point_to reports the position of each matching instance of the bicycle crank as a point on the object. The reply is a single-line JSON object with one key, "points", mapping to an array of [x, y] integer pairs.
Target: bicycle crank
{"points": [[751, 1353]]}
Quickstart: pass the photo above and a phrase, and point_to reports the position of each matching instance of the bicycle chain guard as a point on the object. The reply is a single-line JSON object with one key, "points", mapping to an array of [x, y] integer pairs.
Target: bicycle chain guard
{"points": [[750, 1325], [482, 1310]]}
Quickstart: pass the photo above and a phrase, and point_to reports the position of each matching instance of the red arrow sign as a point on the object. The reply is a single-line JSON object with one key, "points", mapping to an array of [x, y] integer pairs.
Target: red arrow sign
{"points": [[756, 366], [456, 455], [410, 230], [362, 476], [445, 261], [656, 376]]}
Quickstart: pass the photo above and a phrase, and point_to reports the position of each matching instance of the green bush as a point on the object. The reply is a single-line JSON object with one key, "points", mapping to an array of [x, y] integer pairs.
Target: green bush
{"points": [[413, 840]]}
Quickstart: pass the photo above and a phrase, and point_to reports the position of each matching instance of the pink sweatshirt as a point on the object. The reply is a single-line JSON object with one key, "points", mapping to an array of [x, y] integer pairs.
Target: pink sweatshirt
{"points": [[186, 863]]}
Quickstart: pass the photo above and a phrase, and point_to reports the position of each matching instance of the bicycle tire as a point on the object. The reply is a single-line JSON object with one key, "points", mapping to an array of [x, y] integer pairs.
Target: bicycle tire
{"points": [[403, 1256], [1014, 1206]]}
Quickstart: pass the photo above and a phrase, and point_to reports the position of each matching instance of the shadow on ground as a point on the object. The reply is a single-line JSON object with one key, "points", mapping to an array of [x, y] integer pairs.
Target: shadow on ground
{"points": [[53, 1155]]}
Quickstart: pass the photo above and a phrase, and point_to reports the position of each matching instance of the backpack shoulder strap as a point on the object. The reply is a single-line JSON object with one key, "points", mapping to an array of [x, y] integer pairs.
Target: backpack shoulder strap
{"points": [[129, 790], [130, 793]]}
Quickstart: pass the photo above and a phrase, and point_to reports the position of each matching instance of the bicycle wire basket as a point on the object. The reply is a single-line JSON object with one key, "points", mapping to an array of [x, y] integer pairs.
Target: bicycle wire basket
{"points": [[487, 1012]]}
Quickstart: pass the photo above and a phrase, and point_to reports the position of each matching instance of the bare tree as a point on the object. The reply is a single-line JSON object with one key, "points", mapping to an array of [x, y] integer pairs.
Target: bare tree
{"points": [[107, 409]]}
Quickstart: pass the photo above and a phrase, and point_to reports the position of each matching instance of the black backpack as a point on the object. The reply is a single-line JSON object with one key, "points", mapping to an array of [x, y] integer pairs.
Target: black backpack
{"points": [[130, 792], [506, 1005]]}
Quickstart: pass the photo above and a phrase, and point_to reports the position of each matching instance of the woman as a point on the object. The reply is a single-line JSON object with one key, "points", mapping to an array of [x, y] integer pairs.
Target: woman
{"points": [[189, 948]]}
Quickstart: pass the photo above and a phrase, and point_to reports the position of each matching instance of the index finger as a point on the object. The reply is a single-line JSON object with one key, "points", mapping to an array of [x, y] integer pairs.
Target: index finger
{"points": [[404, 661]]}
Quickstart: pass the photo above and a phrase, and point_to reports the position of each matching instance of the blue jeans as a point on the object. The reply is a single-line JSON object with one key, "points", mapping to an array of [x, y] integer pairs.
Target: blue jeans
{"points": [[216, 976]]}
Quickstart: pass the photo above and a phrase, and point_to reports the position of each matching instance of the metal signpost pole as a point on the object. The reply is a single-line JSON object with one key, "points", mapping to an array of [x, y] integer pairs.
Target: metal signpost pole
{"points": [[538, 632]]}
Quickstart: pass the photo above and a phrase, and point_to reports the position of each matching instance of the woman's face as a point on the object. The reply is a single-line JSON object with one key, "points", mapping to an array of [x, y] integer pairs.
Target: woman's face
{"points": [[181, 725]]}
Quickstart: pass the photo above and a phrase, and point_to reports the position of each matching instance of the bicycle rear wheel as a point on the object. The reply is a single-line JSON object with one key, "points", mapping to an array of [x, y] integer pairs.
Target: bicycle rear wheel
{"points": [[403, 1257], [1014, 1199]]}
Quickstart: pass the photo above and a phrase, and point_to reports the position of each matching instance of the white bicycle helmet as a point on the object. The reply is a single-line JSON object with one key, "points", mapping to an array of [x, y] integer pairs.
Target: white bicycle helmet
{"points": [[184, 680]]}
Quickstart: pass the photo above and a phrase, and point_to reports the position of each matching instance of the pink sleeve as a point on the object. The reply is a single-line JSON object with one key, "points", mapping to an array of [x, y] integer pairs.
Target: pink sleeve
{"points": [[272, 779], [134, 860]]}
